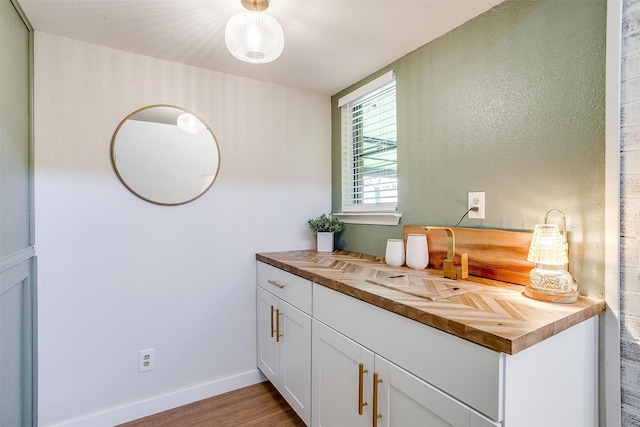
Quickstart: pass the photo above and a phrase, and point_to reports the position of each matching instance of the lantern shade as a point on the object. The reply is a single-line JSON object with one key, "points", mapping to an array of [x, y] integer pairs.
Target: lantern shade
{"points": [[547, 246], [550, 280], [254, 37]]}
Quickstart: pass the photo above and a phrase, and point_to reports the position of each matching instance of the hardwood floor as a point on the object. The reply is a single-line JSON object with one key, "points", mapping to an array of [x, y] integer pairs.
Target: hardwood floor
{"points": [[256, 405]]}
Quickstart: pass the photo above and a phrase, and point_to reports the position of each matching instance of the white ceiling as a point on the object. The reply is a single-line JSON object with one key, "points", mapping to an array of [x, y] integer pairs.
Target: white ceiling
{"points": [[329, 44]]}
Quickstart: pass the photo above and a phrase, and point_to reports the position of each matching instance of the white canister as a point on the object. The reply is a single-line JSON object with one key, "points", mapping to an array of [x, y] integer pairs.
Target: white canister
{"points": [[394, 255], [417, 251]]}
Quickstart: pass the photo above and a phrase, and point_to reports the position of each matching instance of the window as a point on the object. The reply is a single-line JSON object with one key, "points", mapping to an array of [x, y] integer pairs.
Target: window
{"points": [[369, 149]]}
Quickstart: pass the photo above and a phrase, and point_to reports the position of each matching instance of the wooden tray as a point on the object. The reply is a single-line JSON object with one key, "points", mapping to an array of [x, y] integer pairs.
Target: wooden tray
{"points": [[431, 288]]}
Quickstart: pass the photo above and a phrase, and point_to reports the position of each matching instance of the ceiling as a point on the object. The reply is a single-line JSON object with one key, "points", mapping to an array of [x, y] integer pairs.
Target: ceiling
{"points": [[329, 44]]}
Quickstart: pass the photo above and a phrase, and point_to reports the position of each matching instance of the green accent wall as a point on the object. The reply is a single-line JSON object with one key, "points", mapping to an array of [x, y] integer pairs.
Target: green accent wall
{"points": [[511, 103]]}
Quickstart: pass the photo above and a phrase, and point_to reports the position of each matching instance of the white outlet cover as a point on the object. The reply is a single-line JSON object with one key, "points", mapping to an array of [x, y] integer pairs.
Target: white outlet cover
{"points": [[146, 360], [476, 198]]}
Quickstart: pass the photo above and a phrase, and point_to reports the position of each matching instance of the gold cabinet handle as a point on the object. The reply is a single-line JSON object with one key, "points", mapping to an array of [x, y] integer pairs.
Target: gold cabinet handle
{"points": [[278, 335], [361, 404], [276, 284], [376, 415], [272, 330]]}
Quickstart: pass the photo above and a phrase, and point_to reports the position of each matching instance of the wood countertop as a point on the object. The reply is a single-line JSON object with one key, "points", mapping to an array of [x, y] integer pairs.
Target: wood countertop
{"points": [[497, 316]]}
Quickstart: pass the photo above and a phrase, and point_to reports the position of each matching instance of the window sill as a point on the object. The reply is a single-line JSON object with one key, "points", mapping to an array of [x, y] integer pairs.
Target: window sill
{"points": [[370, 218]]}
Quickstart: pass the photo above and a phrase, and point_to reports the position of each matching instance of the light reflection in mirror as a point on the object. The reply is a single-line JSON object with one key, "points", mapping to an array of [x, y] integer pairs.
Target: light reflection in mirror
{"points": [[161, 161]]}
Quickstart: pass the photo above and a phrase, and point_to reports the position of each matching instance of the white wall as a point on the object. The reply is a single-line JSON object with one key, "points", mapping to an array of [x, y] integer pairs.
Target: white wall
{"points": [[117, 274]]}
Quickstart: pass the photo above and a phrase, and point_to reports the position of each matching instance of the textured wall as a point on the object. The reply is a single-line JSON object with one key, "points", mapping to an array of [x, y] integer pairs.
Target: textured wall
{"points": [[630, 215], [117, 274], [510, 103]]}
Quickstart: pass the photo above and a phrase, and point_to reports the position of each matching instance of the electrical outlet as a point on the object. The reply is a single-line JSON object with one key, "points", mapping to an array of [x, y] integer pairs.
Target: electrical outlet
{"points": [[147, 360], [476, 199]]}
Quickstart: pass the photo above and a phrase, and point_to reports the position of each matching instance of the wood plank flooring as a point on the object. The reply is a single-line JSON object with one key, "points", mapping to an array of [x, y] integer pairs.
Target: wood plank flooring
{"points": [[256, 405]]}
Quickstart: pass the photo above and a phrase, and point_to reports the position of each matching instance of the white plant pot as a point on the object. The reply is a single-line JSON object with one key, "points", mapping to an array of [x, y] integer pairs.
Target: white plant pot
{"points": [[325, 241]]}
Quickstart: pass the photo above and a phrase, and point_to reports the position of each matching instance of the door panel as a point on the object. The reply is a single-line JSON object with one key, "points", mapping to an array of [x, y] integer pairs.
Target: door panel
{"points": [[16, 374], [15, 171], [336, 361], [407, 401], [295, 354], [268, 350]]}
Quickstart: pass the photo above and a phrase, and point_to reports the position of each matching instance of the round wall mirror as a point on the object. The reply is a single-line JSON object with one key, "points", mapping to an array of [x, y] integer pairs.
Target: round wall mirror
{"points": [[165, 154]]}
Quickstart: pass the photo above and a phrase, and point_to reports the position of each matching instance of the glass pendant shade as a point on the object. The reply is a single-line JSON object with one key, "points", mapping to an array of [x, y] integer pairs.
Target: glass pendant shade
{"points": [[547, 246], [254, 37], [549, 251]]}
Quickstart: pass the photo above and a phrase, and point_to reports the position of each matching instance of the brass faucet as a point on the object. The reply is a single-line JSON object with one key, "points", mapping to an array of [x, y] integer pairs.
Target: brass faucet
{"points": [[451, 270]]}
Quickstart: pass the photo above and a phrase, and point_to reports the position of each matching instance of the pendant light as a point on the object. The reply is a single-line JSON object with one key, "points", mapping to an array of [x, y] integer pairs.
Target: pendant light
{"points": [[253, 36]]}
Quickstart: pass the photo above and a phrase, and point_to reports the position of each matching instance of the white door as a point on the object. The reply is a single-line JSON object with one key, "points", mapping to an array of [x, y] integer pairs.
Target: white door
{"points": [[338, 399], [405, 400], [17, 256], [268, 349], [295, 359]]}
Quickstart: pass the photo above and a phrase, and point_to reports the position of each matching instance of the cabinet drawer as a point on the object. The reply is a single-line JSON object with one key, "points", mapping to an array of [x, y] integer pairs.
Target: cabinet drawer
{"points": [[291, 288], [468, 372]]}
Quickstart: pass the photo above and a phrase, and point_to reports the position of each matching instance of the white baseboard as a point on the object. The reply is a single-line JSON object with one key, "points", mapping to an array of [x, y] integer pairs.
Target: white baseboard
{"points": [[165, 402]]}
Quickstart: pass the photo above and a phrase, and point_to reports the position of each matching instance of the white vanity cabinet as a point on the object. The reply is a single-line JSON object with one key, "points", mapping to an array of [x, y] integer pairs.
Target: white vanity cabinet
{"points": [[328, 353], [284, 335], [433, 378], [352, 386]]}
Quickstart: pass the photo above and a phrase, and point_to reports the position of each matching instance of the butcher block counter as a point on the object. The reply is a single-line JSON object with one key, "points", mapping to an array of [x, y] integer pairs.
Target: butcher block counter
{"points": [[494, 314]]}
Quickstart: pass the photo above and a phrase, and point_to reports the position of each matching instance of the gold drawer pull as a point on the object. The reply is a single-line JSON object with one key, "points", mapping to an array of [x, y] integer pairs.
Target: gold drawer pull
{"points": [[361, 404], [276, 284], [376, 415], [272, 330], [278, 335]]}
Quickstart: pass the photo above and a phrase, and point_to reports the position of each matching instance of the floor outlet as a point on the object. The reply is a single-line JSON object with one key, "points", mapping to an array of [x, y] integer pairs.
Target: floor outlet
{"points": [[476, 200], [147, 360]]}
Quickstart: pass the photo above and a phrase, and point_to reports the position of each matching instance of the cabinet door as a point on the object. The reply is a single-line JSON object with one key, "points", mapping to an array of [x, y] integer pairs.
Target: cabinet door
{"points": [[338, 399], [405, 400], [295, 359], [268, 348], [284, 350]]}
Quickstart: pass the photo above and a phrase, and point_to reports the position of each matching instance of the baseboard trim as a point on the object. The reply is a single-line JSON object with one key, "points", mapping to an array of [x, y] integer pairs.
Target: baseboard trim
{"points": [[165, 402]]}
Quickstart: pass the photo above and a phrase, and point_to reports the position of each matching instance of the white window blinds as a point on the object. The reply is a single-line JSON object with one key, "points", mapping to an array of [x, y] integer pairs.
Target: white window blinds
{"points": [[369, 148]]}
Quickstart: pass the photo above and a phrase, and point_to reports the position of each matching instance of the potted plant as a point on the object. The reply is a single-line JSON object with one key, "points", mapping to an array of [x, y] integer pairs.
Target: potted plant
{"points": [[325, 227]]}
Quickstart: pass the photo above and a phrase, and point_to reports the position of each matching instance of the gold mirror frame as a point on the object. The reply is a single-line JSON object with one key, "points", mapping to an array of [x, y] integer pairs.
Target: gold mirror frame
{"points": [[161, 162]]}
